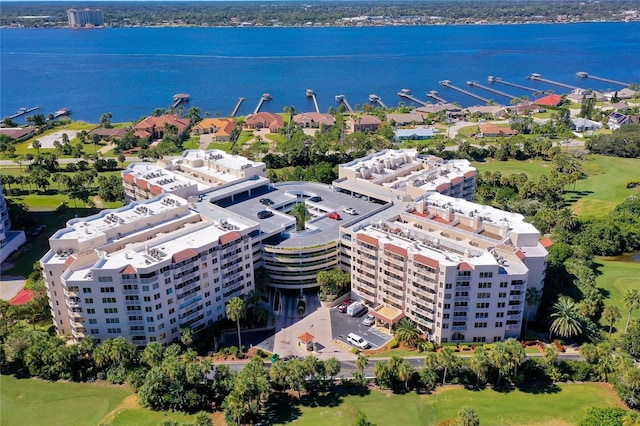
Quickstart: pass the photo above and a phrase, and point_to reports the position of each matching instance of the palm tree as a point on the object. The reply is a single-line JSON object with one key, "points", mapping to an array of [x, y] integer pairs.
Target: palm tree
{"points": [[479, 364], [468, 416], [407, 332], [565, 219], [235, 311], [517, 355], [446, 359], [405, 372], [361, 363], [531, 298], [566, 318], [631, 302], [611, 314], [36, 145], [299, 211], [500, 358]]}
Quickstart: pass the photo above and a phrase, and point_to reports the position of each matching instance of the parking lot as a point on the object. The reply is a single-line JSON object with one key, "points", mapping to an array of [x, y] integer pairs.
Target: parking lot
{"points": [[342, 324]]}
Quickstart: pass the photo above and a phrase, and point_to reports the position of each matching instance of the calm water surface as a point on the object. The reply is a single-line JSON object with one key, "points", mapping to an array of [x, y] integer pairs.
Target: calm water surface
{"points": [[131, 71]]}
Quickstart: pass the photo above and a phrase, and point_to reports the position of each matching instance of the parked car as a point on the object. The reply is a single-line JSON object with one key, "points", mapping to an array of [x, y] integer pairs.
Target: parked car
{"points": [[351, 211], [356, 309], [357, 341], [369, 320], [344, 305], [334, 216], [263, 214], [266, 201], [275, 357], [315, 199]]}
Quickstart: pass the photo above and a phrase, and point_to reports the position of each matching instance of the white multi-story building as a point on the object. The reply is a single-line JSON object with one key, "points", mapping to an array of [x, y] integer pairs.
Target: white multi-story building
{"points": [[195, 173], [403, 175], [10, 241], [457, 269], [145, 270], [84, 17]]}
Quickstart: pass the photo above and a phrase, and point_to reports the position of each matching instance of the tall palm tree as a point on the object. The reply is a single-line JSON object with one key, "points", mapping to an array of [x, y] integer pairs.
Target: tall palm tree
{"points": [[479, 363], [611, 314], [500, 358], [446, 359], [407, 332], [361, 363], [531, 298], [566, 318], [631, 302], [235, 311], [299, 211]]}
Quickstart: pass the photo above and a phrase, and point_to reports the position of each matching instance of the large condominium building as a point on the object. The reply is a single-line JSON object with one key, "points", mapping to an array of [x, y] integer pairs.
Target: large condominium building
{"points": [[10, 240], [147, 269], [203, 222], [195, 173], [85, 17], [403, 175], [458, 269]]}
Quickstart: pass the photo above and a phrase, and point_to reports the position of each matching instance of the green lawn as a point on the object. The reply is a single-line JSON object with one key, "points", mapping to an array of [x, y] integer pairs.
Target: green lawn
{"points": [[563, 404], [533, 168], [34, 402], [605, 186], [619, 275]]}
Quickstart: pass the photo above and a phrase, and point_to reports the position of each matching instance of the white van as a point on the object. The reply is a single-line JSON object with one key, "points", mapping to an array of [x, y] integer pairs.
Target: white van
{"points": [[357, 341], [355, 309]]}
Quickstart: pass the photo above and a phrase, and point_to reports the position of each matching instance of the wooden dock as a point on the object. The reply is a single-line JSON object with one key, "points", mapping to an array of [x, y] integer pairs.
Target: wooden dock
{"points": [[492, 79], [23, 111], [312, 95], [235, 110], [583, 74], [373, 98], [537, 77], [61, 112], [264, 98], [343, 99], [433, 94], [447, 83], [179, 98], [489, 89], [406, 93]]}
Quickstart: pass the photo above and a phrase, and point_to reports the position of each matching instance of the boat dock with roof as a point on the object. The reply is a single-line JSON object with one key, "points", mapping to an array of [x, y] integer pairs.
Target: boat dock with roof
{"points": [[489, 89], [23, 111], [264, 98], [433, 94], [537, 77], [447, 83], [373, 98], [406, 93], [492, 79], [312, 95], [343, 99], [179, 98], [583, 74]]}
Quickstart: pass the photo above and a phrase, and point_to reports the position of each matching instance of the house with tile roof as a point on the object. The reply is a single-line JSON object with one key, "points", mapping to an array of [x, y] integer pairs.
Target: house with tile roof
{"points": [[364, 123], [314, 120], [153, 128], [265, 120], [493, 130], [404, 119], [221, 128], [549, 100]]}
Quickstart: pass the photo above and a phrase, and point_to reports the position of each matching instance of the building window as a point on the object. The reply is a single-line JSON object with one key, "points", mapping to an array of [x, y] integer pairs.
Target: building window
{"points": [[498, 323], [93, 321], [88, 300], [486, 274], [482, 314], [504, 284], [484, 285], [499, 314], [482, 305], [113, 320], [110, 310], [502, 295], [105, 279], [484, 295], [114, 330], [86, 289], [91, 311], [108, 300], [501, 304], [107, 290], [480, 325]]}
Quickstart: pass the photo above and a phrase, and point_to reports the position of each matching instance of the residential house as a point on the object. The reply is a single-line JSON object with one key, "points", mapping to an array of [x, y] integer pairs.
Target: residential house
{"points": [[221, 128], [153, 128], [265, 120], [453, 111], [104, 133], [617, 120], [419, 133], [405, 119], [491, 111], [314, 120], [493, 130], [364, 123], [582, 124], [549, 100]]}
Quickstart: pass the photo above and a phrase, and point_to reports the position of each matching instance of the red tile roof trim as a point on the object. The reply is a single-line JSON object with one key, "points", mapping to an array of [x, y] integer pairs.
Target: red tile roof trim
{"points": [[184, 255], [396, 250], [546, 242], [469, 174], [229, 237], [464, 266], [129, 269], [367, 239], [426, 261]]}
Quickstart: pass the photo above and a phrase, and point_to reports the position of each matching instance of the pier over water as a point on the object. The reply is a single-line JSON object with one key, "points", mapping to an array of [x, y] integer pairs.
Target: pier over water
{"points": [[312, 95], [583, 74], [406, 93], [447, 83], [537, 77]]}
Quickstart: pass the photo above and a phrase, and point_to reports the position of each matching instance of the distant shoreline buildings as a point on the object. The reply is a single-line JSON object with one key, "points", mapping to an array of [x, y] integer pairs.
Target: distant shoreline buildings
{"points": [[196, 227], [85, 18]]}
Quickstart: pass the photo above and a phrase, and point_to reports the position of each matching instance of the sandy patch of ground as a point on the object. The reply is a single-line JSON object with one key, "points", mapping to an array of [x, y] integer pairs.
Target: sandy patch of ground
{"points": [[129, 403], [48, 140], [10, 286]]}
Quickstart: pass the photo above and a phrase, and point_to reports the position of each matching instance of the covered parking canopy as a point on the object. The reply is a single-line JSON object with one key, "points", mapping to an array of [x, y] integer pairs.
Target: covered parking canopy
{"points": [[388, 315]]}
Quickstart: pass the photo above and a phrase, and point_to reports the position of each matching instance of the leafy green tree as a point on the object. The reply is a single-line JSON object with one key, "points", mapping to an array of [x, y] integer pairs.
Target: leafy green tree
{"points": [[517, 355], [446, 359], [500, 358], [362, 420], [597, 416], [611, 314], [479, 363], [105, 120], [361, 363], [631, 301], [235, 310], [279, 374], [630, 340], [407, 332], [566, 318], [332, 367], [297, 375], [152, 354]]}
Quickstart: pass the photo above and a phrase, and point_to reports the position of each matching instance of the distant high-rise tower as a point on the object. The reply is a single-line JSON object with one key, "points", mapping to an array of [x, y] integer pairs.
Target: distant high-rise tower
{"points": [[84, 17]]}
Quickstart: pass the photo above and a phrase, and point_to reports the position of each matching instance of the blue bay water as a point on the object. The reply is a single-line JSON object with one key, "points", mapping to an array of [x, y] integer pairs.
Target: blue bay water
{"points": [[131, 71]]}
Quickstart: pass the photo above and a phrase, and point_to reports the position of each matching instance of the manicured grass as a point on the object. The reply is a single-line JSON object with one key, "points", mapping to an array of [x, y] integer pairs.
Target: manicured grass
{"points": [[532, 168], [561, 404], [33, 402], [605, 186], [224, 146], [192, 143], [619, 274], [468, 131]]}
